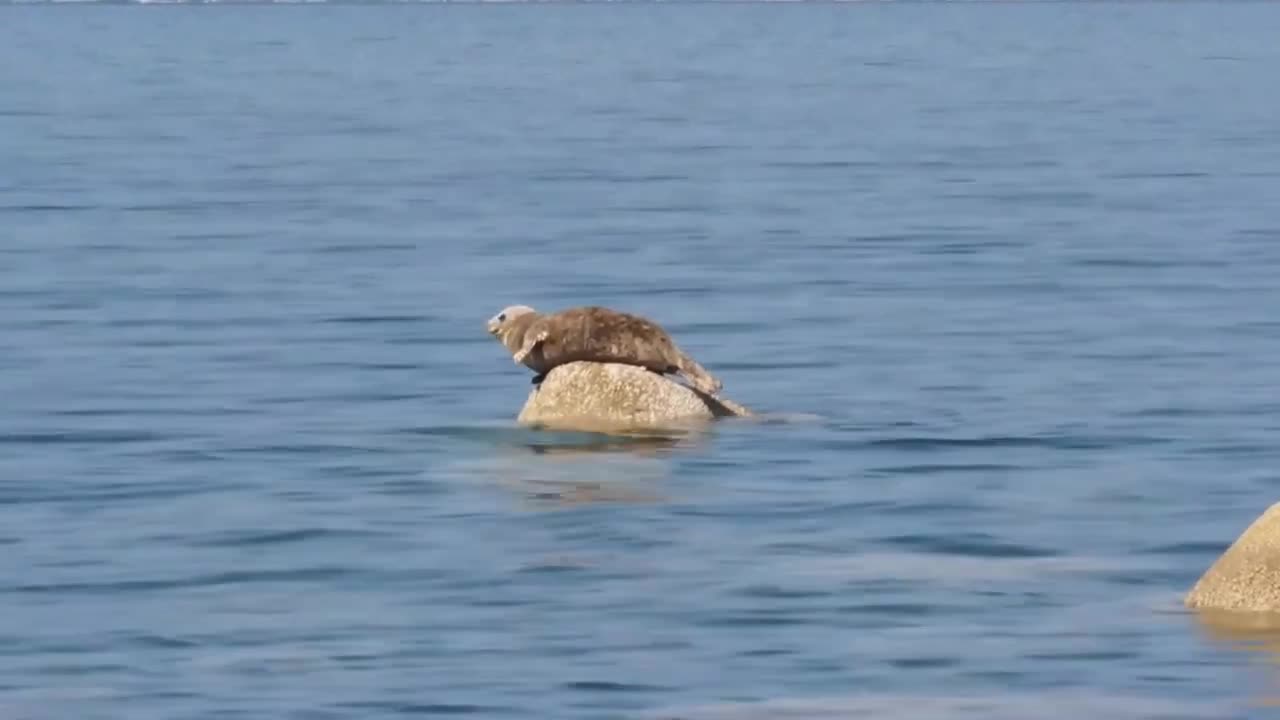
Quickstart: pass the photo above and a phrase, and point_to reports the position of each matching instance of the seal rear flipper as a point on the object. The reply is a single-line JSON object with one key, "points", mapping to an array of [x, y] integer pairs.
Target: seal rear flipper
{"points": [[701, 380]]}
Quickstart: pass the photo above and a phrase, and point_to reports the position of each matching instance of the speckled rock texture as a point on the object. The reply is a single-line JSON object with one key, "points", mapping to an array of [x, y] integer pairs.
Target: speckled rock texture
{"points": [[1247, 576], [608, 397]]}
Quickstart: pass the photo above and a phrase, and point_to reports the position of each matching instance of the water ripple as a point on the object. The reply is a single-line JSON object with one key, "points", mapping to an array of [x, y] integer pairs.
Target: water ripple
{"points": [[87, 437], [313, 574], [972, 544]]}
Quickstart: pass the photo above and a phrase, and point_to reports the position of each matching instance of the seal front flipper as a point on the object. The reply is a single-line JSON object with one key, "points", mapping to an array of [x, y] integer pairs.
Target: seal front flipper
{"points": [[537, 379], [529, 344]]}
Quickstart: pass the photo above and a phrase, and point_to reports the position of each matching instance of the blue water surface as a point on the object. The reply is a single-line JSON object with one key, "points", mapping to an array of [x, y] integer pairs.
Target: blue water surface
{"points": [[1005, 278]]}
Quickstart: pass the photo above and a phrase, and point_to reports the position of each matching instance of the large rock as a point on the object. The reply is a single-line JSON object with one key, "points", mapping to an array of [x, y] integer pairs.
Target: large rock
{"points": [[1247, 576], [609, 397]]}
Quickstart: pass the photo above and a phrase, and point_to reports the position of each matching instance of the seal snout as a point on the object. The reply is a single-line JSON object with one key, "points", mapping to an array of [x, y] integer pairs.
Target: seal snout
{"points": [[494, 325]]}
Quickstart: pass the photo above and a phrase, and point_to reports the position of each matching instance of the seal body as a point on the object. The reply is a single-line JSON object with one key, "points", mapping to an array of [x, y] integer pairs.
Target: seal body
{"points": [[596, 334]]}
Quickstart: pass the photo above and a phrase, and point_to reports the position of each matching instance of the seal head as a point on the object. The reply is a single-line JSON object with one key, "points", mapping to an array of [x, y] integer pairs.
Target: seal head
{"points": [[509, 325]]}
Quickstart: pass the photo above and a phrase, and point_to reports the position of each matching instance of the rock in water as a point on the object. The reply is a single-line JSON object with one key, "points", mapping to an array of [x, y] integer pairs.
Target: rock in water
{"points": [[1247, 576], [613, 397]]}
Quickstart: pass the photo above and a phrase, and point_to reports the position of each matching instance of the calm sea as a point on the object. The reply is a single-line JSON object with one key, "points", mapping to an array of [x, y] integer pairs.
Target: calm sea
{"points": [[1007, 276]]}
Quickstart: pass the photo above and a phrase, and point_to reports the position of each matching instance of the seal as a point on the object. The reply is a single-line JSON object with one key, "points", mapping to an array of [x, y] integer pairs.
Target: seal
{"points": [[597, 334]]}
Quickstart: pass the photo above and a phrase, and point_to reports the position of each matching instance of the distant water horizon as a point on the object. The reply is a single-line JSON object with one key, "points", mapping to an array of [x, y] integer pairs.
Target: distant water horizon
{"points": [[1009, 269], [614, 2]]}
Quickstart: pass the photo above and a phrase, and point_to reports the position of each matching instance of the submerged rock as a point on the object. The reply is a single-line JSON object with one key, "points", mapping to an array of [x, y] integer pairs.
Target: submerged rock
{"points": [[1247, 576], [610, 397]]}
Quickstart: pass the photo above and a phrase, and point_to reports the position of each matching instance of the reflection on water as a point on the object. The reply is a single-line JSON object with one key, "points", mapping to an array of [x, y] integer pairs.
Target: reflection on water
{"points": [[563, 469], [539, 482], [1236, 628], [595, 469], [646, 445], [1254, 634], [567, 493]]}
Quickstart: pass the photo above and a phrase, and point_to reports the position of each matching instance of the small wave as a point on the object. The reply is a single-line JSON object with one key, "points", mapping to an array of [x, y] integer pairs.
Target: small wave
{"points": [[241, 577], [300, 448], [1188, 548], [791, 365], [1006, 705], [86, 437], [606, 686], [550, 441], [428, 709], [1060, 442], [776, 592], [761, 619], [823, 164], [50, 207], [375, 319], [911, 610], [163, 642], [1169, 175], [591, 176], [277, 537], [355, 247], [937, 443], [936, 468], [960, 568], [973, 545], [117, 493], [1148, 263]]}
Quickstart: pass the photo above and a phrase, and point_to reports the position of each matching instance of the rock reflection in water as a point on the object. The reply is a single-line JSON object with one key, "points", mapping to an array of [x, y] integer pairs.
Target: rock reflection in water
{"points": [[598, 469], [1255, 633]]}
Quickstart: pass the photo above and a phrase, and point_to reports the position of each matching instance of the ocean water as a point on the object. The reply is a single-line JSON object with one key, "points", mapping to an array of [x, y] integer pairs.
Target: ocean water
{"points": [[1006, 276]]}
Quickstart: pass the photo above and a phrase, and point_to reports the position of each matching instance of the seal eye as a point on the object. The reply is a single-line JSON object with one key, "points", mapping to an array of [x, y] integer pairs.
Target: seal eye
{"points": [[502, 317]]}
